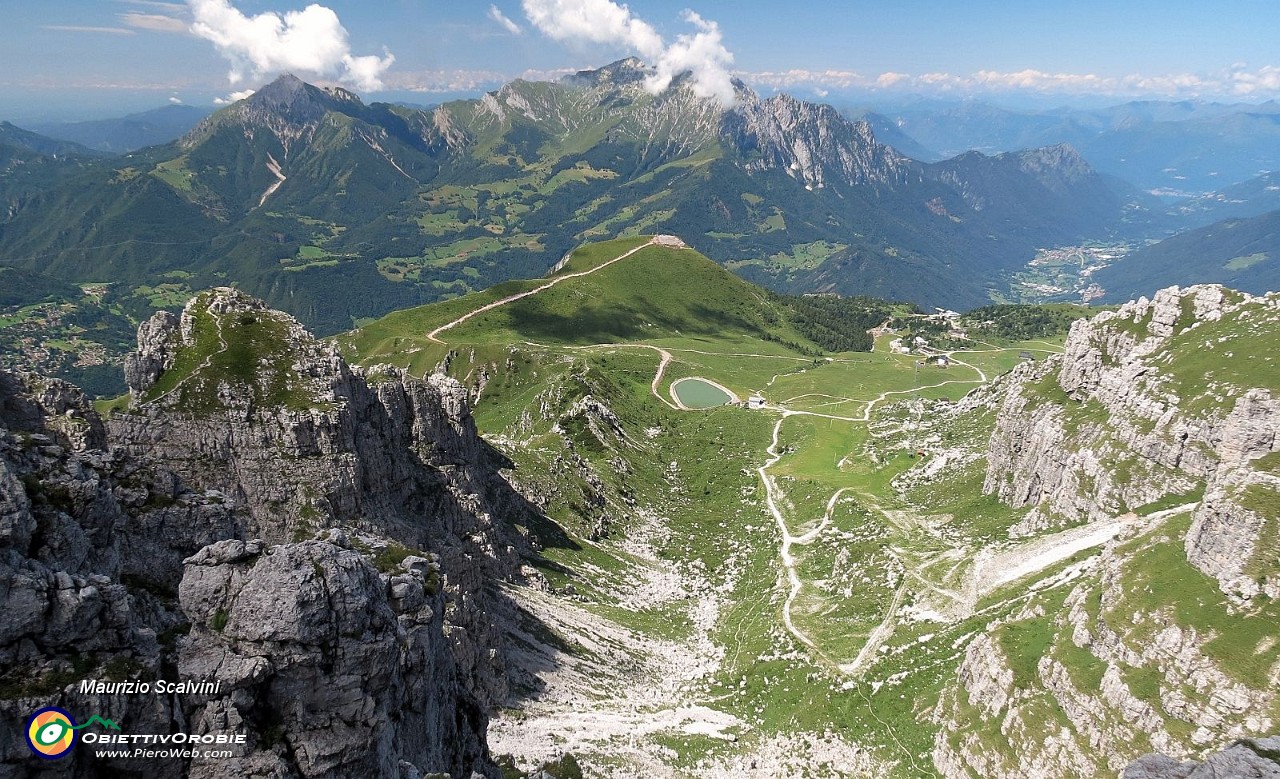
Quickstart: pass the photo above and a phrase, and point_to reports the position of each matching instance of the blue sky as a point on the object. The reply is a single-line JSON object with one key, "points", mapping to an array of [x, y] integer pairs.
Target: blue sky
{"points": [[69, 58]]}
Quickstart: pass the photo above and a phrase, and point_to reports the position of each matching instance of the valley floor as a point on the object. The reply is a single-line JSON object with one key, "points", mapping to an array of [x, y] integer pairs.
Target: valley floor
{"points": [[758, 628]]}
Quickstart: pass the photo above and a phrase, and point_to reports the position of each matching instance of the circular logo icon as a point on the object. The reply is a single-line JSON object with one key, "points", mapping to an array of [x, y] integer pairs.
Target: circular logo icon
{"points": [[50, 733]]}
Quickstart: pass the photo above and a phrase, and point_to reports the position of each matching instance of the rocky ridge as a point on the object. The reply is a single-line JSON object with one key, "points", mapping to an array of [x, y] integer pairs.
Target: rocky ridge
{"points": [[1104, 429], [813, 144], [288, 108], [1248, 757], [1163, 640], [331, 563]]}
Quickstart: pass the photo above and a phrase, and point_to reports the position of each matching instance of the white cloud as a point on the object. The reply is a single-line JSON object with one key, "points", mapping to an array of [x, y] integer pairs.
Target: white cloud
{"points": [[829, 79], [176, 8], [447, 80], [702, 53], [175, 100], [155, 22], [81, 28], [890, 79], [312, 40], [704, 56], [1238, 81], [505, 21], [1265, 80], [234, 97], [594, 21]]}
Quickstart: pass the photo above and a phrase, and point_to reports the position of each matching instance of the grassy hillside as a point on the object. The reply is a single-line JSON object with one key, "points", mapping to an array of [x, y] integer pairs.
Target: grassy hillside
{"points": [[573, 383], [1241, 253], [659, 295]]}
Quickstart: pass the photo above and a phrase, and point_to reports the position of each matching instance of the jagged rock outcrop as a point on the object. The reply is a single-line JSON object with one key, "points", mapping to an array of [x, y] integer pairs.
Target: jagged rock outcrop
{"points": [[1230, 539], [1152, 403], [1102, 430], [813, 143], [154, 354], [350, 660], [322, 543], [1255, 758]]}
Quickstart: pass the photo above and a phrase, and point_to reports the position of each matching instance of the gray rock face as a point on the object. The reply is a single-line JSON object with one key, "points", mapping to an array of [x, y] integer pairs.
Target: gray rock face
{"points": [[1225, 534], [813, 143], [1111, 436], [350, 660], [1248, 758], [1114, 424], [359, 637], [154, 354]]}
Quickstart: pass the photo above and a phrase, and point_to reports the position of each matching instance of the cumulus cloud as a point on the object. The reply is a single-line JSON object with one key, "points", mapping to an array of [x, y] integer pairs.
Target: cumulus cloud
{"points": [[504, 21], [702, 53], [234, 97], [1264, 80], [312, 40]]}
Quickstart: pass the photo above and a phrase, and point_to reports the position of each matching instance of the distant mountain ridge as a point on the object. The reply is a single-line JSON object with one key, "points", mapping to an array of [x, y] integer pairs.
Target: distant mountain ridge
{"points": [[1241, 253], [336, 210], [128, 133], [1184, 146], [14, 137]]}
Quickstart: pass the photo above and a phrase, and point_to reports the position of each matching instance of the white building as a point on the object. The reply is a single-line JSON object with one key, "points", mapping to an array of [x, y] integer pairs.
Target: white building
{"points": [[756, 401]]}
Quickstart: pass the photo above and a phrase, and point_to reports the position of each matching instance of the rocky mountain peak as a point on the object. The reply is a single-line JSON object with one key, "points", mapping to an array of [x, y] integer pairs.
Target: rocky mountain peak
{"points": [[229, 350], [630, 70], [336, 556], [1061, 160], [328, 560], [812, 142], [288, 107], [291, 98]]}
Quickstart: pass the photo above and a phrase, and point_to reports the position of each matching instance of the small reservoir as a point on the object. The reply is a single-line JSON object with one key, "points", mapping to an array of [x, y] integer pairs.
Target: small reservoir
{"points": [[696, 393]]}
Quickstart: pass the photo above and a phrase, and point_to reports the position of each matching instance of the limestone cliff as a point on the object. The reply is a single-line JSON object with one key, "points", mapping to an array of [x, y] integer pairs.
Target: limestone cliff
{"points": [[322, 542], [1250, 757], [1172, 396], [1166, 415]]}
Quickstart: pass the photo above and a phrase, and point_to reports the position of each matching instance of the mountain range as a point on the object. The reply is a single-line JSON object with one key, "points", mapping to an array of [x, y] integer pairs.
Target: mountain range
{"points": [[339, 211], [127, 133], [304, 195], [1180, 147]]}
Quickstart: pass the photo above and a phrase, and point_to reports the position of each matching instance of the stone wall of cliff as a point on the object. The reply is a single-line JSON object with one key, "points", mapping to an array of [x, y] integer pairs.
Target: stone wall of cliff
{"points": [[1108, 428], [328, 552], [1164, 414]]}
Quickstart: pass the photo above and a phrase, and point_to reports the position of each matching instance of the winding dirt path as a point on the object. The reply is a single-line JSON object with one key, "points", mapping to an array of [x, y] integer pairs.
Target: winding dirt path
{"points": [[784, 552]]}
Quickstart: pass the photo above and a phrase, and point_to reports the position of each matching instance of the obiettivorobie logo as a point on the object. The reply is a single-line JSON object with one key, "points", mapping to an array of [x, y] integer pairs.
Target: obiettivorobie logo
{"points": [[51, 732]]}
